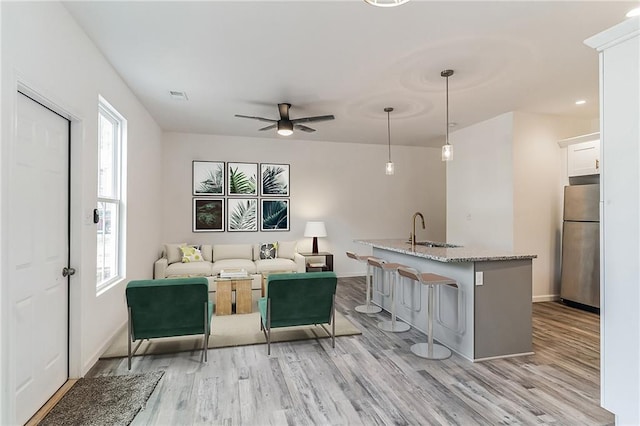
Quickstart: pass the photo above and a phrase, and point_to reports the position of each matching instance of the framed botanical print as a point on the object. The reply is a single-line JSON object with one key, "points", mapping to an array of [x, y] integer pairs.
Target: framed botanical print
{"points": [[208, 177], [274, 180], [242, 179], [274, 214], [242, 214], [208, 215]]}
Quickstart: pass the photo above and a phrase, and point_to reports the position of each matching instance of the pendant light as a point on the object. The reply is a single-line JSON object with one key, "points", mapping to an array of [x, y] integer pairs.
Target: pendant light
{"points": [[447, 149], [389, 166], [386, 3]]}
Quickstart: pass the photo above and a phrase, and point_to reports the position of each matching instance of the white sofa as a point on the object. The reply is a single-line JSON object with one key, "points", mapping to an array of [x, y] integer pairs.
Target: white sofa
{"points": [[228, 256]]}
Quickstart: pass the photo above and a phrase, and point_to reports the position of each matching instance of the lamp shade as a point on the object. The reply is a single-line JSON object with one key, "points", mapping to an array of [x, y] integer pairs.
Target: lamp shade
{"points": [[315, 229]]}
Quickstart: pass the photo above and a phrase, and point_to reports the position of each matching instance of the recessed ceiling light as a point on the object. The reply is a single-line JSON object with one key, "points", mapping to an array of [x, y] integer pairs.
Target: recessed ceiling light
{"points": [[633, 12], [177, 95], [581, 102]]}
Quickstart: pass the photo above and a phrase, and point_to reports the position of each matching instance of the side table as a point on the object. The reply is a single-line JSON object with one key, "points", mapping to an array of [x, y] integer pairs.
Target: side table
{"points": [[313, 267], [224, 289]]}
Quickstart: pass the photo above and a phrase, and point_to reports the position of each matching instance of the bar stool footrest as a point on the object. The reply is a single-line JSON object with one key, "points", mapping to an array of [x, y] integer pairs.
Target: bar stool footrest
{"points": [[439, 351]]}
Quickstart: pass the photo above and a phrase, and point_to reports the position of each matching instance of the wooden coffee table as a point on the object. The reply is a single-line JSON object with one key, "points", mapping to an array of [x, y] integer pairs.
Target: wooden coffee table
{"points": [[224, 289]]}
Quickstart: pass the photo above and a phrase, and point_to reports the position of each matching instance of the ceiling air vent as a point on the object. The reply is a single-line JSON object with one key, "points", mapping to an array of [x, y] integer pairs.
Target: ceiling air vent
{"points": [[178, 96]]}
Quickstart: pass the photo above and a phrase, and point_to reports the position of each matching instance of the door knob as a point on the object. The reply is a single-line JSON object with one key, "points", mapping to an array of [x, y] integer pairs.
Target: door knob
{"points": [[67, 272]]}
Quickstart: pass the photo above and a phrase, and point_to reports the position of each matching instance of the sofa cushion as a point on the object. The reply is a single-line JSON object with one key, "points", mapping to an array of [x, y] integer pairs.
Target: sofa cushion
{"points": [[190, 269], [287, 249], [232, 251], [206, 251], [190, 254], [245, 264], [278, 264], [268, 250]]}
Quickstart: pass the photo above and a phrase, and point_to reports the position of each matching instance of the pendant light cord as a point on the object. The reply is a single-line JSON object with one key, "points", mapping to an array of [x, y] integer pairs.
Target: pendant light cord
{"points": [[389, 134], [447, 124]]}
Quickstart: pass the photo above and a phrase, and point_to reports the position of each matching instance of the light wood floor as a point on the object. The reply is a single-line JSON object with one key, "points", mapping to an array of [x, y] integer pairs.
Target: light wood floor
{"points": [[374, 379]]}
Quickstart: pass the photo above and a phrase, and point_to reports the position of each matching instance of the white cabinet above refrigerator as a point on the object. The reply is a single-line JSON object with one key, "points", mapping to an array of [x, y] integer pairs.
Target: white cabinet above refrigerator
{"points": [[583, 155]]}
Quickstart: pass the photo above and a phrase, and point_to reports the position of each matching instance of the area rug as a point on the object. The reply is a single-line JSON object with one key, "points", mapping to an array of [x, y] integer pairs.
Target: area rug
{"points": [[226, 331], [113, 400]]}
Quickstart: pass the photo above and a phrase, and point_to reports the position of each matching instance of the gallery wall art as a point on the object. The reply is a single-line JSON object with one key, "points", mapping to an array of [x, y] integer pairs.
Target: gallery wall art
{"points": [[274, 180], [242, 214], [208, 215], [239, 184], [242, 179], [208, 178], [275, 215]]}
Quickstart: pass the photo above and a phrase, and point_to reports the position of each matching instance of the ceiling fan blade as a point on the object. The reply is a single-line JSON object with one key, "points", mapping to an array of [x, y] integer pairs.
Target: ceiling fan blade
{"points": [[268, 120], [312, 119], [303, 128], [273, 126], [284, 111]]}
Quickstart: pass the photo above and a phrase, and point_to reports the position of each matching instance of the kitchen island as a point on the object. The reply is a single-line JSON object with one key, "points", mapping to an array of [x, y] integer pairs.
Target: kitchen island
{"points": [[489, 314]]}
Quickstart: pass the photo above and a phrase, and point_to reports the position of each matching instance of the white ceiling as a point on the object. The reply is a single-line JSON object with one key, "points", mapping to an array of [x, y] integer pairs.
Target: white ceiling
{"points": [[351, 59]]}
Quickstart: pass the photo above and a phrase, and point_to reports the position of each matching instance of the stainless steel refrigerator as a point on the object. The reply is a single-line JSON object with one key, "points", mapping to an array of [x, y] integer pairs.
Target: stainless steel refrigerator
{"points": [[580, 276]]}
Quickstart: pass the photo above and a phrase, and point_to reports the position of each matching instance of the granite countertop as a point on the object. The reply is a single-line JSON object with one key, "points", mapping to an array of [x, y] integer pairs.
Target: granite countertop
{"points": [[450, 253]]}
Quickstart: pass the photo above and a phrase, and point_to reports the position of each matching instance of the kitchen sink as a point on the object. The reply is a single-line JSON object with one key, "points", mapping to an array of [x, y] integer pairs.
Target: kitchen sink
{"points": [[434, 244]]}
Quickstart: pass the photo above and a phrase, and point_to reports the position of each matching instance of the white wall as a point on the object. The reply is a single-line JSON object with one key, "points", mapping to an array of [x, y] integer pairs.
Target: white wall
{"points": [[540, 174], [44, 50], [480, 185], [341, 184], [505, 186]]}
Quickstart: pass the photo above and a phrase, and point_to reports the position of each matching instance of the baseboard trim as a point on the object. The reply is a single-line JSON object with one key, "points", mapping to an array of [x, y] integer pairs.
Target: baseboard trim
{"points": [[489, 358], [546, 298]]}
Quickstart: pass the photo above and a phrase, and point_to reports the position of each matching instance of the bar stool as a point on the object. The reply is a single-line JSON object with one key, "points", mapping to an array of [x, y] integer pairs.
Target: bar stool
{"points": [[428, 350], [391, 271], [377, 266], [367, 308]]}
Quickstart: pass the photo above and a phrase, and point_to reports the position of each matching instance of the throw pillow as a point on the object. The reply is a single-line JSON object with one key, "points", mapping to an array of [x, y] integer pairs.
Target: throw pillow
{"points": [[287, 249], [190, 254], [268, 250], [173, 253]]}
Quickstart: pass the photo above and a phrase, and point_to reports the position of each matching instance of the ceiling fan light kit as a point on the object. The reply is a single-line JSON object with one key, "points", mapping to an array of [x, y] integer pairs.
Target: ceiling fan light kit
{"points": [[386, 3], [447, 149], [285, 126]]}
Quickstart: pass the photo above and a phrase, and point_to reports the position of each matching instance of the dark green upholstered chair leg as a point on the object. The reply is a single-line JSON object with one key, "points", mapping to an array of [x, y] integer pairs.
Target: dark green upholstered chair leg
{"points": [[265, 325], [130, 340], [205, 347], [333, 322]]}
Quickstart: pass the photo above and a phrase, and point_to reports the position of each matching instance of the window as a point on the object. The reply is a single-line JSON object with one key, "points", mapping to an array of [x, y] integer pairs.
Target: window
{"points": [[111, 137]]}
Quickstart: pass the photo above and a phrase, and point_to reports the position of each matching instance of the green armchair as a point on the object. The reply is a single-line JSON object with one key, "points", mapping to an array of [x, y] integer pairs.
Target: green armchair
{"points": [[167, 308], [298, 299]]}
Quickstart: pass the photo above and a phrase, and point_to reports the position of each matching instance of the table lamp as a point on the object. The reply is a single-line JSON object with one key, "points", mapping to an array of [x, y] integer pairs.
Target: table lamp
{"points": [[315, 230]]}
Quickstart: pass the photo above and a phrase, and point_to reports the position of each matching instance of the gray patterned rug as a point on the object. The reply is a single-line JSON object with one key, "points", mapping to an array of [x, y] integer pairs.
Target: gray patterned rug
{"points": [[101, 401]]}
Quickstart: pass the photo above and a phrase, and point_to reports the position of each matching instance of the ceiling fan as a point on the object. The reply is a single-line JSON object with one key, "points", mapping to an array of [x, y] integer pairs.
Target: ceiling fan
{"points": [[285, 125]]}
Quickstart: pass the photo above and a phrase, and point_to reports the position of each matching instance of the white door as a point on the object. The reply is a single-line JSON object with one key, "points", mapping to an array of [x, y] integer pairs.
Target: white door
{"points": [[38, 252]]}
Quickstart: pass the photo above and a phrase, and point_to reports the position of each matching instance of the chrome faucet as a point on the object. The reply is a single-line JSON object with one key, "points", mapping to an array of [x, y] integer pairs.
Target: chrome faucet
{"points": [[412, 237]]}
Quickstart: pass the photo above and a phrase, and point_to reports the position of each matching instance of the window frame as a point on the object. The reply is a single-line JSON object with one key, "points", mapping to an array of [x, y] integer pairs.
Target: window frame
{"points": [[117, 197]]}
